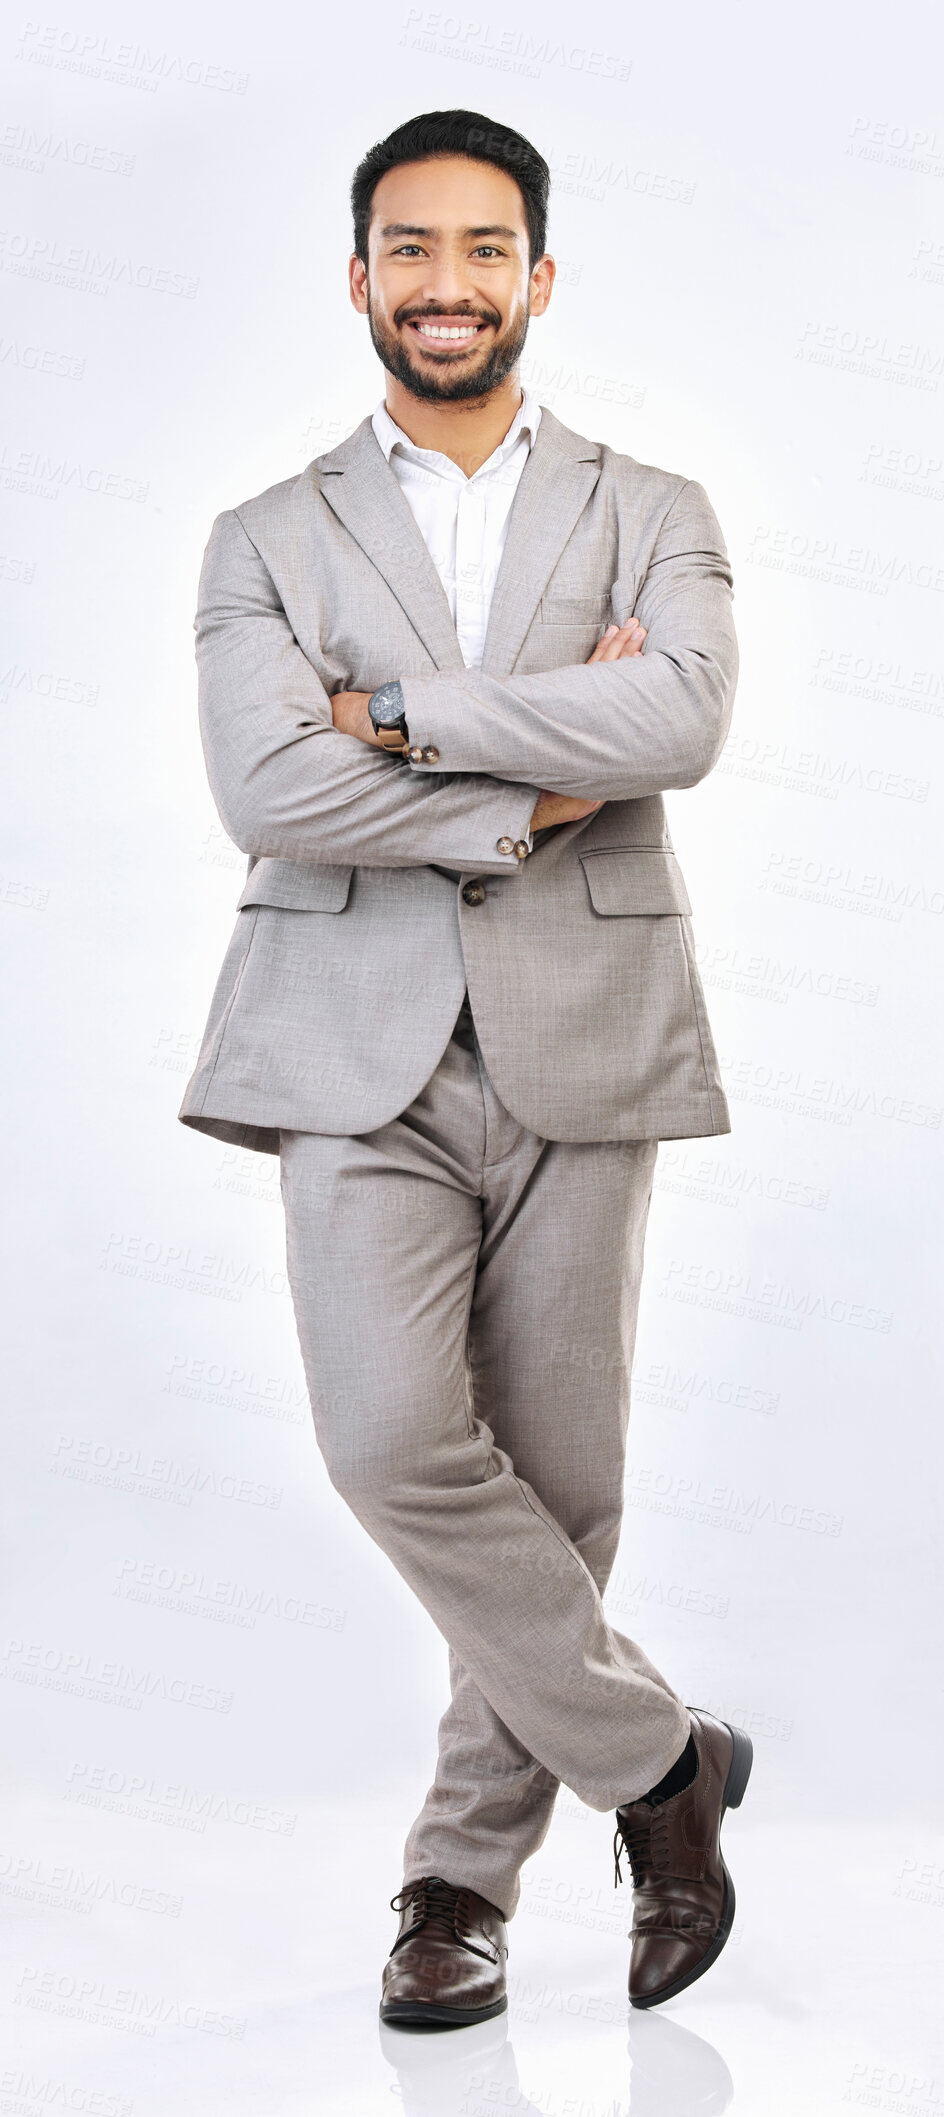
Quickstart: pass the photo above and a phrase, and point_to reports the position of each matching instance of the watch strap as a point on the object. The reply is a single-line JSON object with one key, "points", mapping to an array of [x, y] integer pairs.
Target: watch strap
{"points": [[393, 735]]}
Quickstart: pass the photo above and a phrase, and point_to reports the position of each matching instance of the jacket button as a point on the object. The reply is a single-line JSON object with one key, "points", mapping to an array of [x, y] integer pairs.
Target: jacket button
{"points": [[473, 892], [522, 848], [505, 845], [415, 753], [430, 754]]}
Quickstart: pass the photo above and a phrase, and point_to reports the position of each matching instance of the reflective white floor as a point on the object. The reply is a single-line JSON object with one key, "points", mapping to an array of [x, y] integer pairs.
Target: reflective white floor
{"points": [[155, 1971]]}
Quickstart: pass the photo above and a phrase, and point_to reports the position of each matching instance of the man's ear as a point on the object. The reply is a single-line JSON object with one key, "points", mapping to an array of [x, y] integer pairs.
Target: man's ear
{"points": [[357, 283], [540, 286]]}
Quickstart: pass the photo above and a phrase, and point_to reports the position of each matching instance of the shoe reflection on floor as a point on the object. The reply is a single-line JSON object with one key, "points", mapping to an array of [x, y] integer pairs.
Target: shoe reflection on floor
{"points": [[451, 2072], [447, 2071], [673, 2072]]}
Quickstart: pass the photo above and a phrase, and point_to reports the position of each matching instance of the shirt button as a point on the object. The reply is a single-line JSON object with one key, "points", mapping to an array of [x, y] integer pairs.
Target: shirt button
{"points": [[505, 845], [473, 892], [415, 754], [522, 848], [430, 754]]}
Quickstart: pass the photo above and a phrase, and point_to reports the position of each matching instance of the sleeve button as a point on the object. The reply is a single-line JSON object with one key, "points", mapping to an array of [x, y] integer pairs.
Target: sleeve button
{"points": [[430, 754], [505, 845], [522, 848], [415, 754]]}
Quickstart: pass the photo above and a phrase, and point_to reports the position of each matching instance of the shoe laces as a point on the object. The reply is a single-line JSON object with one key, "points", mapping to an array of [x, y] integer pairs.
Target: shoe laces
{"points": [[441, 1911], [643, 1836]]}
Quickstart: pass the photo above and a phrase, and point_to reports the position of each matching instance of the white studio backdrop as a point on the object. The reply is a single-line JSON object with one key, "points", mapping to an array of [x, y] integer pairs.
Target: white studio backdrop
{"points": [[214, 1687]]}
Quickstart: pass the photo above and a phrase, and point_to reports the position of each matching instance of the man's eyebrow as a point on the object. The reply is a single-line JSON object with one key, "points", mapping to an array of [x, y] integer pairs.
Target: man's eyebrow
{"points": [[405, 228]]}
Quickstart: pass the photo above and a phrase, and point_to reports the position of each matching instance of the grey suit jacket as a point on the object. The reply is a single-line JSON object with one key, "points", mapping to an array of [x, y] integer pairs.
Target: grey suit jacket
{"points": [[351, 951]]}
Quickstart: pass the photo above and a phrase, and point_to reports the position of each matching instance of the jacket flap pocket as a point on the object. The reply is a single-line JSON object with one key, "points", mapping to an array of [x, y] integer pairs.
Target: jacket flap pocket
{"points": [[623, 880], [297, 885]]}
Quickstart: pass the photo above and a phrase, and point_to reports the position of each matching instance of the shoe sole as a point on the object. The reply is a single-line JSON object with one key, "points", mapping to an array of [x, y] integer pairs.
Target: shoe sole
{"points": [[739, 1772], [420, 2014]]}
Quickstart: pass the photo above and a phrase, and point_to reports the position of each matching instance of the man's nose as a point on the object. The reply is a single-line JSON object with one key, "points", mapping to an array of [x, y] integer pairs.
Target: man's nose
{"points": [[447, 285]]}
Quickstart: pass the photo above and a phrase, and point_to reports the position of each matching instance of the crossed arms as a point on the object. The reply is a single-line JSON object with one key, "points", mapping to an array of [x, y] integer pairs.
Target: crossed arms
{"points": [[287, 781], [349, 712]]}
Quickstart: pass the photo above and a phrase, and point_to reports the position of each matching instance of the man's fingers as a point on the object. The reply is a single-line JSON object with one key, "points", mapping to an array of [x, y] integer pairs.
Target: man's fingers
{"points": [[561, 808], [619, 640]]}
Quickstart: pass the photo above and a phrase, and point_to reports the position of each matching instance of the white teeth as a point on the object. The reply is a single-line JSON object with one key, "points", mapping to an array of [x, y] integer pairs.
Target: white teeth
{"points": [[435, 330]]}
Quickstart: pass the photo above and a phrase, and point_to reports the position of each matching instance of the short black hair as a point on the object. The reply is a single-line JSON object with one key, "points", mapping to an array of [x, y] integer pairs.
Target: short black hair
{"points": [[462, 132]]}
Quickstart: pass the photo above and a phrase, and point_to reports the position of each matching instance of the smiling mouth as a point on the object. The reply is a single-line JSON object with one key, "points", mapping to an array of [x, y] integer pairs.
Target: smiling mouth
{"points": [[439, 334]]}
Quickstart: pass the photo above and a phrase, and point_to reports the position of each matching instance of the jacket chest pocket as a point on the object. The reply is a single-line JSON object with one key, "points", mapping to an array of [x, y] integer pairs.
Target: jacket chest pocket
{"points": [[596, 608], [574, 610]]}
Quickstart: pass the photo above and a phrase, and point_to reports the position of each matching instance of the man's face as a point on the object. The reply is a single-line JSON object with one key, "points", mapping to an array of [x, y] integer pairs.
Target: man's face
{"points": [[448, 251]]}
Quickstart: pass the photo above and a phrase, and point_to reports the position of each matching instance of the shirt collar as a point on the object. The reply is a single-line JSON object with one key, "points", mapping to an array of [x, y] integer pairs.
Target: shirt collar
{"points": [[526, 421]]}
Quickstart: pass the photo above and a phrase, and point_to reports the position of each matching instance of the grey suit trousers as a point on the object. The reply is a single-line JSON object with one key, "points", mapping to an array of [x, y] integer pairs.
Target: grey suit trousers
{"points": [[465, 1294]]}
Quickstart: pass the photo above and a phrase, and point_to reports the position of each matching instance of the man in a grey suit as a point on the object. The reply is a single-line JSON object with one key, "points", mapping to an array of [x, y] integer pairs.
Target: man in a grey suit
{"points": [[446, 675]]}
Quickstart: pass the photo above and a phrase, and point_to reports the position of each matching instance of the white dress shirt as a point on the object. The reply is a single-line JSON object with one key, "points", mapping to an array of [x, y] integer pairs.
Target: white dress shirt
{"points": [[463, 520]]}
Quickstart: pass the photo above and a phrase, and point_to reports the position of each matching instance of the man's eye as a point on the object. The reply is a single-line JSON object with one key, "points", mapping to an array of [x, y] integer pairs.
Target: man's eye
{"points": [[403, 249]]}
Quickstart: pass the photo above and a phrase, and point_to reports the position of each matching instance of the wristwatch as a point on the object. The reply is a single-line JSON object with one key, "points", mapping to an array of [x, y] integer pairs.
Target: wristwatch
{"points": [[385, 707]]}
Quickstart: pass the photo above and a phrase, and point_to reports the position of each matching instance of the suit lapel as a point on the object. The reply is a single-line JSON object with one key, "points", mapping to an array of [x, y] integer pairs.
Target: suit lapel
{"points": [[555, 485], [359, 486]]}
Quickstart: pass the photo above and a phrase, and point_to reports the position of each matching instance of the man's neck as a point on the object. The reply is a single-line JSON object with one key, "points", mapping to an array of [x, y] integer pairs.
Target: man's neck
{"points": [[469, 431]]}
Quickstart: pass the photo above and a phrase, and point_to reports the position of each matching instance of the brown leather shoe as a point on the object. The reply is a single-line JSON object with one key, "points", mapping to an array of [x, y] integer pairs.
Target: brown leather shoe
{"points": [[684, 1895], [447, 1964]]}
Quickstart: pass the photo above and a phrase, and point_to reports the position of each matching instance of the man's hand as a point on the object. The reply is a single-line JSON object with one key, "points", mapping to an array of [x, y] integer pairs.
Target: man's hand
{"points": [[349, 713], [617, 644]]}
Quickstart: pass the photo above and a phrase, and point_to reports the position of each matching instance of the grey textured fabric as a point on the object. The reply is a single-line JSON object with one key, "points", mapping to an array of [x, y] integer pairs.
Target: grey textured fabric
{"points": [[451, 1271], [351, 951]]}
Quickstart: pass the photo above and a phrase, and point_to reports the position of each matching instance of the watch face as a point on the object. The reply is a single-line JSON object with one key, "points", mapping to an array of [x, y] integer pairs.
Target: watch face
{"points": [[386, 706]]}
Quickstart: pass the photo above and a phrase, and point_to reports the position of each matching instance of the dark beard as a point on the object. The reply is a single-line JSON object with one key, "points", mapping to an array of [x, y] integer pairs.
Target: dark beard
{"points": [[443, 387]]}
